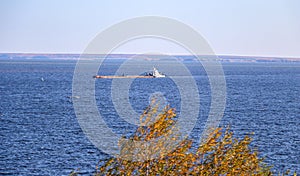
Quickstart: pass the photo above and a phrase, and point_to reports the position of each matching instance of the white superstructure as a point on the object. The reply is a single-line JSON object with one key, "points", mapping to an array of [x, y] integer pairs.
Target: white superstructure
{"points": [[156, 73]]}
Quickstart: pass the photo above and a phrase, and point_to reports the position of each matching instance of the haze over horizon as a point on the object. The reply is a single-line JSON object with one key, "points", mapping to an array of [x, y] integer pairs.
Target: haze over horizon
{"points": [[247, 28]]}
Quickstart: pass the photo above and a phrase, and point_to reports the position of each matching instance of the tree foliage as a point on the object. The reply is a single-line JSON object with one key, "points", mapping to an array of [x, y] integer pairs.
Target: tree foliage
{"points": [[221, 154]]}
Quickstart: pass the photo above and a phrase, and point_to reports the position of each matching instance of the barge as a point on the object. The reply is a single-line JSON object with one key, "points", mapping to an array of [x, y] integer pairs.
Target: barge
{"points": [[154, 74]]}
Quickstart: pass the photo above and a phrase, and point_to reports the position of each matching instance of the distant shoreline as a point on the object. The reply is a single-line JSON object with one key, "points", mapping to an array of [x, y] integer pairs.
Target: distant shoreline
{"points": [[222, 58]]}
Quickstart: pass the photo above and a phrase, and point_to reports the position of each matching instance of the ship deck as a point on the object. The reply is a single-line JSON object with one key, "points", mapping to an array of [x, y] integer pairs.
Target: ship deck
{"points": [[118, 77]]}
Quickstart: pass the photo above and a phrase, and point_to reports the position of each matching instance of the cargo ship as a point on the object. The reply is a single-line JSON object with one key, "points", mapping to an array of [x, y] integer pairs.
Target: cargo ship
{"points": [[154, 74]]}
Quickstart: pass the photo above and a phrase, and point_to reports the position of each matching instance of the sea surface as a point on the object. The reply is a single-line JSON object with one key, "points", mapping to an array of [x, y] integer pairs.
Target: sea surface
{"points": [[40, 134]]}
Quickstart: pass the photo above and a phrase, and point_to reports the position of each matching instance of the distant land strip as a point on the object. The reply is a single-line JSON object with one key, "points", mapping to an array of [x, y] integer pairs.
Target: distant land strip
{"points": [[222, 58]]}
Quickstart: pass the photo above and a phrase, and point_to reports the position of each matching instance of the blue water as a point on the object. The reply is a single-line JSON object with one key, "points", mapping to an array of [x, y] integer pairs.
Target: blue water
{"points": [[40, 135]]}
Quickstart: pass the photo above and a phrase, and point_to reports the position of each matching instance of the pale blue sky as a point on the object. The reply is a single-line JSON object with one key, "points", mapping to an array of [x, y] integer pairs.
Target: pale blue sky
{"points": [[235, 27]]}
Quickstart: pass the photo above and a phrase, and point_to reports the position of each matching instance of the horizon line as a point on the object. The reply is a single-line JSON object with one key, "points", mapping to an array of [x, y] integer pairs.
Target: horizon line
{"points": [[174, 54]]}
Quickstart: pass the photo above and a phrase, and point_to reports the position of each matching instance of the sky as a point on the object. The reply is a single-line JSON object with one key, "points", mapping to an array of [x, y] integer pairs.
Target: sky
{"points": [[231, 27]]}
